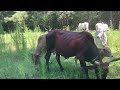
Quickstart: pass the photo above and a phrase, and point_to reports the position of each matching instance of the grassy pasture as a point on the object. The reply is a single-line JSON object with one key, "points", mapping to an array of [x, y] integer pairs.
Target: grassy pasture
{"points": [[16, 63]]}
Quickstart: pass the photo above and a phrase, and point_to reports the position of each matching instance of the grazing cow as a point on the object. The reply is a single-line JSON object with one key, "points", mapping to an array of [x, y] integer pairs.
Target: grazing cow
{"points": [[104, 67], [68, 44], [100, 34], [104, 52], [83, 26], [41, 46], [40, 49]]}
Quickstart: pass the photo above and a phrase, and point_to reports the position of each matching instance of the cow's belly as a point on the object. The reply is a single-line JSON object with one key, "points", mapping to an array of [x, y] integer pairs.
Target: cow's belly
{"points": [[65, 53]]}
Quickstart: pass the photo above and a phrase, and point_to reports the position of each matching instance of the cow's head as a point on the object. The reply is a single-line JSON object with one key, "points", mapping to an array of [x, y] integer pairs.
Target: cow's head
{"points": [[105, 66], [107, 52], [41, 46], [35, 58]]}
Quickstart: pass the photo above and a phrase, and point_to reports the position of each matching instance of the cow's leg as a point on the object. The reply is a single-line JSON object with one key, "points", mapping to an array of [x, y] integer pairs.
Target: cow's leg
{"points": [[101, 41], [84, 68], [99, 37], [47, 57], [97, 72], [105, 39], [104, 76], [58, 60], [83, 65], [97, 69]]}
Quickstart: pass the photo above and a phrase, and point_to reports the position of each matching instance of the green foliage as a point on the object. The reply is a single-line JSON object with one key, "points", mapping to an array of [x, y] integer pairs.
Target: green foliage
{"points": [[18, 17], [1, 29], [58, 19]]}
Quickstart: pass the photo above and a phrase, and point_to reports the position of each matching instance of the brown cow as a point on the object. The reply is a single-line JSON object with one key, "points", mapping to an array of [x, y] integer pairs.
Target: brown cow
{"points": [[68, 44]]}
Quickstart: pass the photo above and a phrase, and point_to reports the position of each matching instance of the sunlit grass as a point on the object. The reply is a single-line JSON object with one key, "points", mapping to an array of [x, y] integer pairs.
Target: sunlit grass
{"points": [[18, 63]]}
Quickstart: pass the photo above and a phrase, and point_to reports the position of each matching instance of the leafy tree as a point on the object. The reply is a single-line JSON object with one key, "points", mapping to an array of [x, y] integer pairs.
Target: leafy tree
{"points": [[115, 19], [18, 18], [2, 23], [56, 19]]}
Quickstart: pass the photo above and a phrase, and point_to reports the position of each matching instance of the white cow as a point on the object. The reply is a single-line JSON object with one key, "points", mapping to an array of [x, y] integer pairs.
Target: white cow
{"points": [[83, 26], [100, 34], [102, 27]]}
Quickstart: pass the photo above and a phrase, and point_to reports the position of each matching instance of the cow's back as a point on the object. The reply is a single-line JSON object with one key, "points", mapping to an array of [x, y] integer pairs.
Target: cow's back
{"points": [[70, 44]]}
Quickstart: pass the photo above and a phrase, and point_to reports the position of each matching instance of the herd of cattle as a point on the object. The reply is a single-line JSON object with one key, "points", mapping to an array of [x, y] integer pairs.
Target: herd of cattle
{"points": [[82, 45], [100, 34]]}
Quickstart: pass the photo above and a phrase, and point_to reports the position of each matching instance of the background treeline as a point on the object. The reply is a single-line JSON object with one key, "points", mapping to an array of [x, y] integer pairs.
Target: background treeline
{"points": [[45, 20]]}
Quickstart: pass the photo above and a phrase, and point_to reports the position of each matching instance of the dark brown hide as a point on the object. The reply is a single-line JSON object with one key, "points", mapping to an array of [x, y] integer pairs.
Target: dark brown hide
{"points": [[68, 44]]}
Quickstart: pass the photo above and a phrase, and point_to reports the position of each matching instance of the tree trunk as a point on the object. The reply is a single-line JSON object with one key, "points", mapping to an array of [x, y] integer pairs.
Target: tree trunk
{"points": [[111, 23], [115, 17]]}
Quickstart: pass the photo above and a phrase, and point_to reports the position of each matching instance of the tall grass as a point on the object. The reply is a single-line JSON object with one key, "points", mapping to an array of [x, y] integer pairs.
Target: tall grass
{"points": [[16, 60]]}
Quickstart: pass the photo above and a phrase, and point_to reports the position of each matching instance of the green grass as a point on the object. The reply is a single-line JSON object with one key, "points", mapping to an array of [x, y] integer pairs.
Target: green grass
{"points": [[16, 61]]}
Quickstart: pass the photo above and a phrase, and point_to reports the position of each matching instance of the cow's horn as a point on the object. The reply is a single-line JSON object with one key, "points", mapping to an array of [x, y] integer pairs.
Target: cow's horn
{"points": [[97, 63], [112, 60]]}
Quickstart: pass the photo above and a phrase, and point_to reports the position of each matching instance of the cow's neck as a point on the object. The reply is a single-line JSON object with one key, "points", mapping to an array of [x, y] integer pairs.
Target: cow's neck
{"points": [[101, 53]]}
